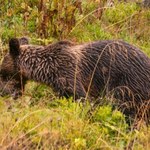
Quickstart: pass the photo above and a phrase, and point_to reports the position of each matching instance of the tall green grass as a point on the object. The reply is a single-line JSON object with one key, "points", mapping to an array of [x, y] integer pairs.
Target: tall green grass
{"points": [[63, 124]]}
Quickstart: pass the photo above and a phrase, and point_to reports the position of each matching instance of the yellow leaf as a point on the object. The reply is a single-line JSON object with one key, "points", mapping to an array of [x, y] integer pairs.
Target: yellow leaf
{"points": [[23, 5], [9, 12]]}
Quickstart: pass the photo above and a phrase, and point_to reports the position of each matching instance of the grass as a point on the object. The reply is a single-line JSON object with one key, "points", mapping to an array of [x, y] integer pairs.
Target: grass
{"points": [[39, 120], [63, 124]]}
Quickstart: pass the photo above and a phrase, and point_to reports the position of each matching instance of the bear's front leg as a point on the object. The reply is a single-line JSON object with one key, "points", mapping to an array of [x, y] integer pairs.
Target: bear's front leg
{"points": [[70, 88]]}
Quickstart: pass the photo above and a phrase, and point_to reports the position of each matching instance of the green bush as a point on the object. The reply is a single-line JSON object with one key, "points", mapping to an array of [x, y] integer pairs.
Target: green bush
{"points": [[120, 12]]}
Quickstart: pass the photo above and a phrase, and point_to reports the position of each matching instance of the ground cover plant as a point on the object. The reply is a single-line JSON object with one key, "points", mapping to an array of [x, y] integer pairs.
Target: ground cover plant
{"points": [[39, 119]]}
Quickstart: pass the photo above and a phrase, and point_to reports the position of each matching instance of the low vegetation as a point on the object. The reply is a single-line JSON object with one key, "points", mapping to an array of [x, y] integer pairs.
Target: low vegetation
{"points": [[39, 119]]}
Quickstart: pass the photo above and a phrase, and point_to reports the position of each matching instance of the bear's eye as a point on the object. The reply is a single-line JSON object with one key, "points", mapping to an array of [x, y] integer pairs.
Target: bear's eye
{"points": [[8, 78], [1, 75], [5, 77]]}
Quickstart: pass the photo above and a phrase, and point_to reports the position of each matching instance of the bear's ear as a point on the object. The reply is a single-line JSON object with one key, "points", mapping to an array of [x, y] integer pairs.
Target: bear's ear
{"points": [[24, 41], [14, 47]]}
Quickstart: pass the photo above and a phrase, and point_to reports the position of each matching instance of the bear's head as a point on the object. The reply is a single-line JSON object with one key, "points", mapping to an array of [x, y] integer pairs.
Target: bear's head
{"points": [[11, 82]]}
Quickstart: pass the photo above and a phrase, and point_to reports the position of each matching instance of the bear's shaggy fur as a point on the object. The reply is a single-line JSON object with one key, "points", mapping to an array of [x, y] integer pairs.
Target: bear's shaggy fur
{"points": [[86, 70]]}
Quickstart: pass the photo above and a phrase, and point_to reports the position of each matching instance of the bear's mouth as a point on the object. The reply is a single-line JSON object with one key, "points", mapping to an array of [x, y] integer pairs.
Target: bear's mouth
{"points": [[15, 94], [8, 89]]}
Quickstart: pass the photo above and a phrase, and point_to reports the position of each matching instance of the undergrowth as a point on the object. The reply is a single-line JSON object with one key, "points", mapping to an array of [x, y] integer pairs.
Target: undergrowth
{"points": [[64, 124]]}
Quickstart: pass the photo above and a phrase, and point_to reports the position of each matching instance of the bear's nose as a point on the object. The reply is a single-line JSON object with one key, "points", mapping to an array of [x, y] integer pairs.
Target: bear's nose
{"points": [[16, 94]]}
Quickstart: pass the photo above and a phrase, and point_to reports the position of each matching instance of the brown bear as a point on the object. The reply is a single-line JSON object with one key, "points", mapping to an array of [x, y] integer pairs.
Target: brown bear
{"points": [[86, 70]]}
